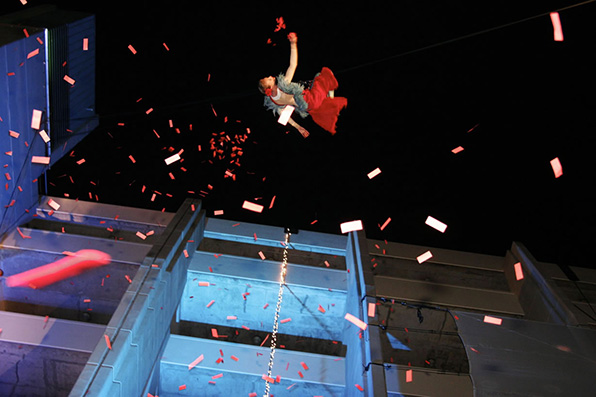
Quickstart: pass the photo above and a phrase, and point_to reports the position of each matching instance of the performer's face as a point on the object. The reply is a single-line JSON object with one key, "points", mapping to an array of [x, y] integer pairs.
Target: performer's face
{"points": [[268, 82]]}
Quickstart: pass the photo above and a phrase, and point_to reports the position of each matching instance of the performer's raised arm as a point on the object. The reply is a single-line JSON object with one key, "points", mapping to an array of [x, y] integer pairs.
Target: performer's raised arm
{"points": [[293, 57]]}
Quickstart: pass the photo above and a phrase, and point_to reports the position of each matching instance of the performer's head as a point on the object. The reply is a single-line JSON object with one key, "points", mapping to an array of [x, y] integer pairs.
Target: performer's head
{"points": [[266, 84]]}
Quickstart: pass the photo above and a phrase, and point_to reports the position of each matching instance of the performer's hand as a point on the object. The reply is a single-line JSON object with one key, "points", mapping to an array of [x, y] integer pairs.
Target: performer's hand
{"points": [[303, 131], [293, 38]]}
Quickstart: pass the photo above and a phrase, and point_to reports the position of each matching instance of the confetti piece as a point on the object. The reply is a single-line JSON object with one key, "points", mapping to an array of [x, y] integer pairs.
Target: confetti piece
{"points": [[165, 46], [13, 134], [557, 29], [280, 24], [253, 394], [132, 49], [384, 225], [33, 53], [321, 309], [304, 366], [262, 255], [272, 201], [374, 173], [247, 205], [327, 264], [268, 378], [218, 212], [457, 150], [195, 362], [44, 135], [69, 80], [231, 318], [64, 268], [435, 224], [141, 235], [424, 257], [210, 303], [493, 320], [519, 274], [266, 306], [352, 226], [371, 309], [557, 168], [214, 333], [108, 343], [23, 2], [285, 115], [300, 373], [356, 321], [85, 43], [285, 320], [409, 375], [53, 204], [203, 283], [172, 159], [234, 358], [182, 387], [40, 160]]}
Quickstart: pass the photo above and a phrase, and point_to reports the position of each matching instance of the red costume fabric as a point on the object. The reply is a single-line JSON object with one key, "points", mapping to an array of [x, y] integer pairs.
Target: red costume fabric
{"points": [[324, 110]]}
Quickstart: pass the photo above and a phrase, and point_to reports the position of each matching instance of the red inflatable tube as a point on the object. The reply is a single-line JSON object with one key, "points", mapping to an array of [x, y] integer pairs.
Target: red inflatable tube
{"points": [[64, 268]]}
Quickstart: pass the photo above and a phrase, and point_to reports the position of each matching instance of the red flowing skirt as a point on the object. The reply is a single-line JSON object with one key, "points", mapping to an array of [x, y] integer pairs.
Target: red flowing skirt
{"points": [[324, 110]]}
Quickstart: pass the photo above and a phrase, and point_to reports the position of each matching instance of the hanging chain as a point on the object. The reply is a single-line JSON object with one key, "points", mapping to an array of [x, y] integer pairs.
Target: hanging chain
{"points": [[282, 282]]}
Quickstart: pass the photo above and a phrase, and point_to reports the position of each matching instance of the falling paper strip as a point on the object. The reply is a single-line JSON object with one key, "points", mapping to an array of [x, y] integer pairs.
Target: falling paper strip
{"points": [[247, 205], [69, 80], [352, 226], [435, 224], [384, 225], [519, 274], [262, 255], [557, 168], [359, 387], [424, 257], [40, 160], [85, 44], [371, 309], [409, 375], [356, 321], [33, 53], [374, 173], [44, 136], [218, 212], [172, 159], [493, 320], [285, 115], [195, 363], [108, 343], [36, 119], [132, 49], [557, 29], [53, 204], [457, 150]]}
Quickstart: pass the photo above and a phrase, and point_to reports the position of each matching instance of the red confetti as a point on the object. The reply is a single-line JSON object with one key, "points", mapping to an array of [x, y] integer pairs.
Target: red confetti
{"points": [[557, 168], [557, 29], [280, 24], [108, 343], [359, 387], [132, 49]]}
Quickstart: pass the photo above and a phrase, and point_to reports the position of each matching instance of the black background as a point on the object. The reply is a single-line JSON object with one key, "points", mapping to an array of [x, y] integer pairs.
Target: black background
{"points": [[418, 76]]}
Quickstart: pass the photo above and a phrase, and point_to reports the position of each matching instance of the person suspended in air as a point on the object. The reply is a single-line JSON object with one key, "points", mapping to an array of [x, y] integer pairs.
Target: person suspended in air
{"points": [[318, 100]]}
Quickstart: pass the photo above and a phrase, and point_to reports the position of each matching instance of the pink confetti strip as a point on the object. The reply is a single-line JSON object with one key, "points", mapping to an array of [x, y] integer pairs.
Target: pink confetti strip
{"points": [[203, 283], [359, 387], [108, 343], [40, 160], [272, 201], [262, 255], [304, 366], [356, 321], [13, 134], [285, 115], [85, 44], [352, 226], [36, 119], [132, 49], [371, 309], [519, 274], [435, 224], [285, 320], [247, 205], [493, 320], [457, 150], [53, 204], [195, 362], [210, 303], [424, 257], [409, 375], [33, 53], [557, 168], [321, 309], [557, 29], [384, 225], [172, 159], [218, 212], [69, 80], [374, 173], [231, 318], [44, 136]]}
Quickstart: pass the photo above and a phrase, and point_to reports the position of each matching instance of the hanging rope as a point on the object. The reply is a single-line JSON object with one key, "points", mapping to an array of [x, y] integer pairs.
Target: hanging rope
{"points": [[282, 282]]}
